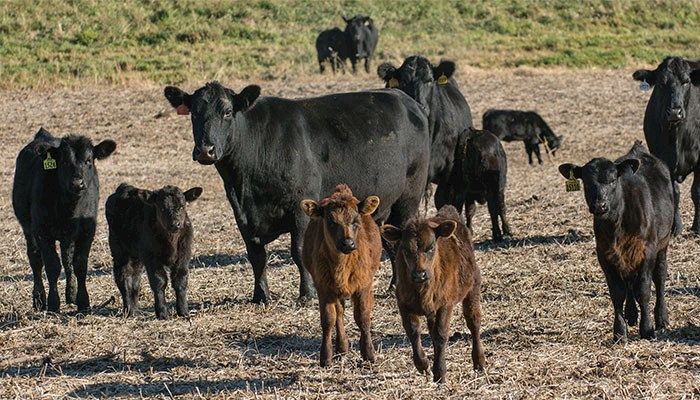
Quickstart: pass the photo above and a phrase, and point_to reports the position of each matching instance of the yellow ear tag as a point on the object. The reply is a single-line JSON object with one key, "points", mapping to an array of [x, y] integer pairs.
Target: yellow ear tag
{"points": [[393, 82], [572, 184], [442, 80], [49, 163]]}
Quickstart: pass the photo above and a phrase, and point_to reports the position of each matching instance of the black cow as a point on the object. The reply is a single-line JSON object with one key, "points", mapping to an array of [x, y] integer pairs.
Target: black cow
{"points": [[362, 37], [448, 112], [672, 125], [272, 153], [528, 126], [332, 47], [631, 200], [54, 196], [151, 228]]}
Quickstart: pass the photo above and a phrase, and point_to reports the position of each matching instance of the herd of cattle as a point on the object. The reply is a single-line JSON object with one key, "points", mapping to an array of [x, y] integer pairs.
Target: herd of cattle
{"points": [[345, 174]]}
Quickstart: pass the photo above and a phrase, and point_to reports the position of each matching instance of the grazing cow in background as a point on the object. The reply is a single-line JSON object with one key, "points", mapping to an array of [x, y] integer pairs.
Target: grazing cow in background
{"points": [[631, 200], [54, 196], [483, 166], [151, 228], [272, 153], [672, 125], [332, 47], [362, 37], [528, 126], [342, 251], [436, 268]]}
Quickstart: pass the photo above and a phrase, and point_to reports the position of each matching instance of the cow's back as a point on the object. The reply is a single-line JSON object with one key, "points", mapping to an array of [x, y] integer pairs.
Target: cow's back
{"points": [[125, 211]]}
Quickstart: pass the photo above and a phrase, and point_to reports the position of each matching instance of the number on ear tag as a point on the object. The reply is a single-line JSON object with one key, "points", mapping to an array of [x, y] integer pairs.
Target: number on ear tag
{"points": [[393, 82], [572, 184], [644, 86], [49, 163], [442, 80]]}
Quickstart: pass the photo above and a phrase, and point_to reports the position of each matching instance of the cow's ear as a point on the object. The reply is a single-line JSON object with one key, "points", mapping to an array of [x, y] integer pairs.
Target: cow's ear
{"points": [[311, 208], [566, 169], [42, 147], [630, 163], [245, 99], [104, 149], [386, 71], [193, 194], [390, 233], [346, 19], [148, 197], [446, 68], [645, 75], [179, 99], [695, 77], [369, 205], [444, 229]]}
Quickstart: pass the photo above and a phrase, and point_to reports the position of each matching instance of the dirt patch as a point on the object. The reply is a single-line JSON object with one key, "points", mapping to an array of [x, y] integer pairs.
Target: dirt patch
{"points": [[547, 323]]}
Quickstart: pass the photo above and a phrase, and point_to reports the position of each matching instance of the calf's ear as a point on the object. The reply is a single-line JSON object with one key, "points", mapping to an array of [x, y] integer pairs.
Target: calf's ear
{"points": [[645, 75], [246, 98], [630, 163], [390, 233], [446, 68], [104, 149], [42, 147], [445, 229], [193, 194], [310, 208], [179, 99], [566, 169], [386, 71], [695, 77], [369, 205]]}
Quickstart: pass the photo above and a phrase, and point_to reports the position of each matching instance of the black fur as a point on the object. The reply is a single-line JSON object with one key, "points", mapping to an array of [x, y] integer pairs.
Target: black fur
{"points": [[362, 36], [528, 126], [332, 47]]}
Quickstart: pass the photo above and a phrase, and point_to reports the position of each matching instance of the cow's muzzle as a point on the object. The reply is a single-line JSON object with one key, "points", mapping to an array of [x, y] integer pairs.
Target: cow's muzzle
{"points": [[205, 155], [675, 114]]}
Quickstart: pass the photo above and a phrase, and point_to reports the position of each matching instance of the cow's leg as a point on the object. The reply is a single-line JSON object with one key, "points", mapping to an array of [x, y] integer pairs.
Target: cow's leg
{"points": [[502, 210], [390, 249], [321, 67], [306, 286], [258, 259], [67, 252], [643, 294], [469, 211], [37, 265], [362, 307], [528, 150], [659, 276], [677, 220], [47, 247], [328, 316], [536, 149], [401, 212], [411, 324], [80, 262], [631, 313], [443, 195], [617, 289], [471, 307], [158, 280], [342, 343], [493, 203], [367, 64], [133, 284], [178, 278], [120, 269], [695, 195], [353, 61], [440, 332]]}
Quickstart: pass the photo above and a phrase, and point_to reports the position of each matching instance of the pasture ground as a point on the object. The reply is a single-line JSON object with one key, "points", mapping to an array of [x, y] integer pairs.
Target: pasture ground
{"points": [[547, 323]]}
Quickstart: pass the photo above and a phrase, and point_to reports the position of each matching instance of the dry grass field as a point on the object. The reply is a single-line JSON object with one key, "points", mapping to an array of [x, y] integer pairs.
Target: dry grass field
{"points": [[547, 323]]}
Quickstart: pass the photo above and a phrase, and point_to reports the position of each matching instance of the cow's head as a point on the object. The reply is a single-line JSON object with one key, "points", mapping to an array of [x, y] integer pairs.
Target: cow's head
{"points": [[340, 214], [214, 109], [74, 157], [169, 203], [416, 76], [672, 80], [358, 30], [601, 183], [417, 245]]}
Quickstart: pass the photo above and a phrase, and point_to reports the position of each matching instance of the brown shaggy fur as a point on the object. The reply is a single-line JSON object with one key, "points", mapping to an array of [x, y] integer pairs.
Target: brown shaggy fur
{"points": [[338, 275], [627, 252], [432, 286]]}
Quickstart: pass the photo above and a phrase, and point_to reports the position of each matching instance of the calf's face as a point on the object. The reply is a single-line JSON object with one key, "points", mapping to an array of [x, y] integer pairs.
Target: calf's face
{"points": [[672, 79], [213, 109], [417, 245], [357, 30], [601, 182], [169, 203], [341, 220], [75, 156], [416, 76]]}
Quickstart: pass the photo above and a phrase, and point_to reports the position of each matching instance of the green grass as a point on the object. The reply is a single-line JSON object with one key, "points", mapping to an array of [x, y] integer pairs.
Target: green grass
{"points": [[44, 43]]}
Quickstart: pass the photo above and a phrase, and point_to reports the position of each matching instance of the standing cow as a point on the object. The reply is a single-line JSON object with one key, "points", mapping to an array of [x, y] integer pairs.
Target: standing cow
{"points": [[525, 126], [332, 47], [362, 37], [672, 125], [54, 196], [272, 153]]}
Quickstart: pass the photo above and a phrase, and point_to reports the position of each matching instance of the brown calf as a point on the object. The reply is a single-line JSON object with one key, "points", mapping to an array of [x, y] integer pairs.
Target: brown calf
{"points": [[436, 269], [342, 250]]}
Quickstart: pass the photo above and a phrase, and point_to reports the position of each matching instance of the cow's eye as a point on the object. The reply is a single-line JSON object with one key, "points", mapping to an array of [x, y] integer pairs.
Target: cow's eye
{"points": [[88, 162], [228, 114]]}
